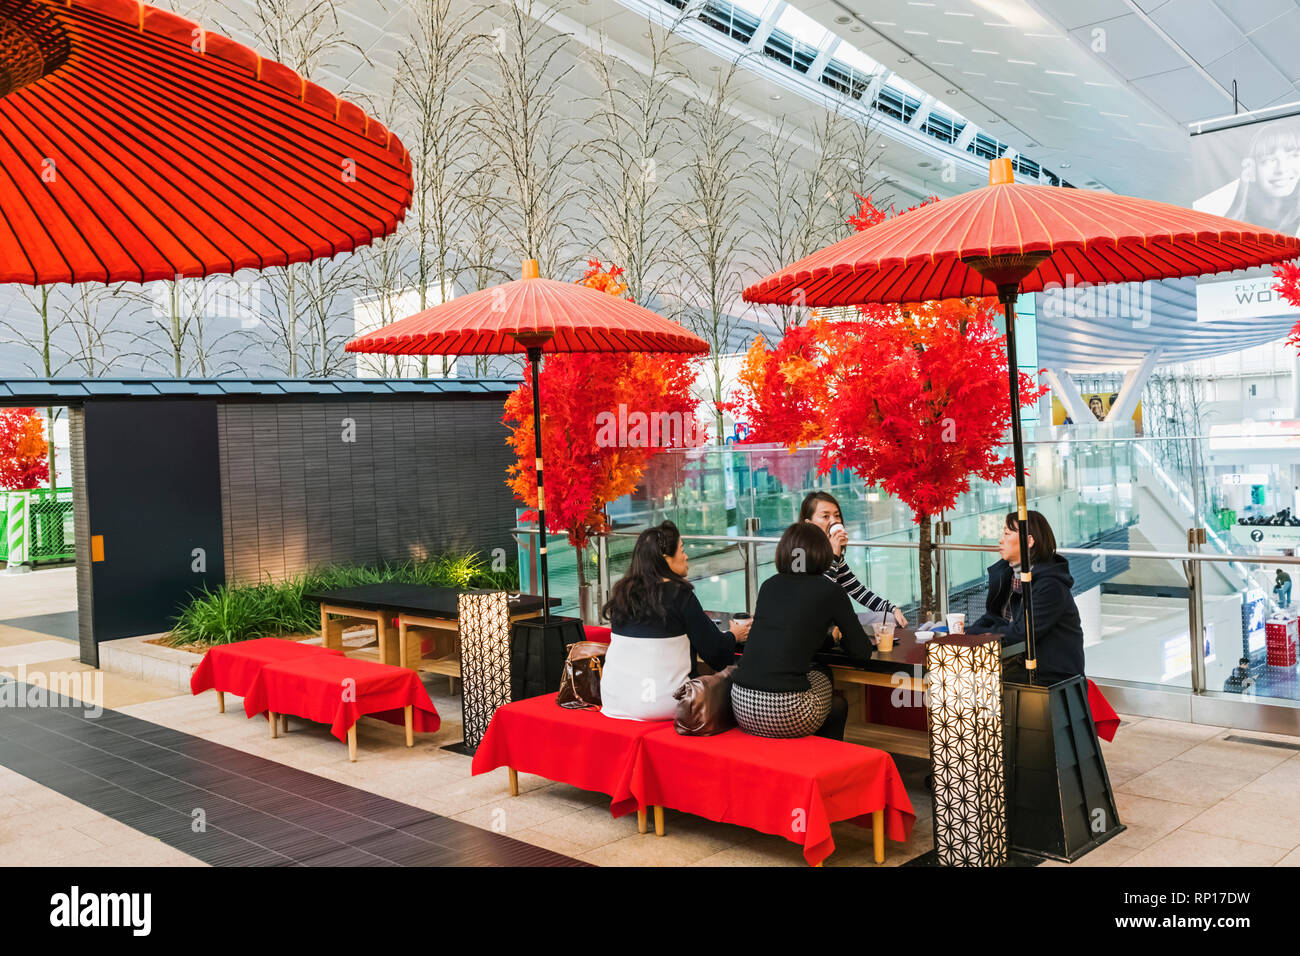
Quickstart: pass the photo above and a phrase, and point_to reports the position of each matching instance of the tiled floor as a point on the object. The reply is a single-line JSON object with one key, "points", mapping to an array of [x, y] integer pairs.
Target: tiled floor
{"points": [[1188, 795]]}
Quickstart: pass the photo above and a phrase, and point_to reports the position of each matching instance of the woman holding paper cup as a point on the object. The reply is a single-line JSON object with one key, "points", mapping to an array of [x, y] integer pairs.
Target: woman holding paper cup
{"points": [[823, 510], [1058, 633]]}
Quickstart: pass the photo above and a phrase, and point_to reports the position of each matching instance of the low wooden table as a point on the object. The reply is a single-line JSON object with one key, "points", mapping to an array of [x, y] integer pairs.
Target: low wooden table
{"points": [[901, 667], [409, 606]]}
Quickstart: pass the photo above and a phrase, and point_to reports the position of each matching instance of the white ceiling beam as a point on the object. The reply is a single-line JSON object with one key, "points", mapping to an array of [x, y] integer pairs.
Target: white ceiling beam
{"points": [[967, 136], [922, 112], [766, 25], [878, 79], [823, 57]]}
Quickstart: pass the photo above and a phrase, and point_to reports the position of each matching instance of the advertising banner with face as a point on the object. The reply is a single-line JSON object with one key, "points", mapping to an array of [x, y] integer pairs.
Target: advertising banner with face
{"points": [[1250, 173]]}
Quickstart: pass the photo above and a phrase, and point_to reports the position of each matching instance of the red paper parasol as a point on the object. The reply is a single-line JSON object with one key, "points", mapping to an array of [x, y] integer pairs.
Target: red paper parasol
{"points": [[137, 146], [532, 315], [1007, 238]]}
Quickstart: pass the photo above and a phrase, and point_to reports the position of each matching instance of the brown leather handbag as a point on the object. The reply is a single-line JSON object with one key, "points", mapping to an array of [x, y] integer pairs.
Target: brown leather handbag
{"points": [[580, 682], [704, 705]]}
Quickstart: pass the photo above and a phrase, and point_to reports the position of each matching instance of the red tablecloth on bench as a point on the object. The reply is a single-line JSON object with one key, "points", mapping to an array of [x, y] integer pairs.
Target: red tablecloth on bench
{"points": [[316, 688], [233, 667], [793, 788], [583, 748], [1103, 715]]}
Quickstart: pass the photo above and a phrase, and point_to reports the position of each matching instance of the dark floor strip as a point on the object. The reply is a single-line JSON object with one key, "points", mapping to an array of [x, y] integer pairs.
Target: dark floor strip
{"points": [[254, 812], [1261, 742], [61, 624]]}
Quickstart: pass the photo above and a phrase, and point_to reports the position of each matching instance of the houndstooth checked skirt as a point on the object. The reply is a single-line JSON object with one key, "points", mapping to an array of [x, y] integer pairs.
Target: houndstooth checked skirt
{"points": [[795, 713]]}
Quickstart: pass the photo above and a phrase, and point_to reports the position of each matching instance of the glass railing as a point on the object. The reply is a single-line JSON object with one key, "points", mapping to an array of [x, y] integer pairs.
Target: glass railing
{"points": [[1121, 506]]}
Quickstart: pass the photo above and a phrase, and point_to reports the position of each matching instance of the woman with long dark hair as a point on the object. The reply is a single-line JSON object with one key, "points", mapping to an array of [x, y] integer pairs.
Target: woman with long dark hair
{"points": [[657, 622], [823, 510], [777, 689], [1058, 632]]}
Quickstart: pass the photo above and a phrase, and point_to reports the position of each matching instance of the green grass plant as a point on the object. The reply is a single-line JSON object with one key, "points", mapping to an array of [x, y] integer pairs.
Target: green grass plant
{"points": [[243, 612]]}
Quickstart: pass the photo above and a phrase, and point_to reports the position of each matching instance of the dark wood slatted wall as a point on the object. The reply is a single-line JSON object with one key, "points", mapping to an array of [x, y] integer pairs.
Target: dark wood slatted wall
{"points": [[418, 477]]}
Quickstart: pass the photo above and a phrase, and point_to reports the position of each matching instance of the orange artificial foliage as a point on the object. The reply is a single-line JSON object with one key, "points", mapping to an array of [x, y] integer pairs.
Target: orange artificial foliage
{"points": [[605, 280], [605, 415]]}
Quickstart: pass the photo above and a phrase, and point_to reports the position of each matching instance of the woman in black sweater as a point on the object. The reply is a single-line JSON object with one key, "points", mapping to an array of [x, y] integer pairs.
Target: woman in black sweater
{"points": [[777, 689]]}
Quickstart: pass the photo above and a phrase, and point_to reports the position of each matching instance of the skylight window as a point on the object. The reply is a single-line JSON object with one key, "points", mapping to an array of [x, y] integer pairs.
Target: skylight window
{"points": [[802, 27], [851, 56]]}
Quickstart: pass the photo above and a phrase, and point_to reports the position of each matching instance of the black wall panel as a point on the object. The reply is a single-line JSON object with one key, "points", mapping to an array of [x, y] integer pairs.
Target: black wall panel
{"points": [[153, 489]]}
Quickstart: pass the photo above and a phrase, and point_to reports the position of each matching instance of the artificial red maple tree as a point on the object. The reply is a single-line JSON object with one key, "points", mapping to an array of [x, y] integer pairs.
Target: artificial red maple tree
{"points": [[605, 415], [913, 399], [24, 451], [1288, 286]]}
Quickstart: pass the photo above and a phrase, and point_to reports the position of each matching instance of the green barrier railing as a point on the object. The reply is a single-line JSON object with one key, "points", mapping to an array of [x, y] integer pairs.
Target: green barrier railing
{"points": [[36, 526]]}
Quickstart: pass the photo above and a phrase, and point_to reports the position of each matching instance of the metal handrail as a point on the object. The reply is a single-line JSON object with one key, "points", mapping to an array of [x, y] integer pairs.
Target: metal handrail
{"points": [[1194, 556]]}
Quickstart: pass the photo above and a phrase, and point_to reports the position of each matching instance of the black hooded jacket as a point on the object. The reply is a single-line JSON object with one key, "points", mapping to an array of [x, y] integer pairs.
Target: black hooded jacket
{"points": [[1058, 634]]}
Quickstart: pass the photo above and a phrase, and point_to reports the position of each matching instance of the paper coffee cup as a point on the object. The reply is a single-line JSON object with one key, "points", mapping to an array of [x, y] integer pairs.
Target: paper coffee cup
{"points": [[956, 623]]}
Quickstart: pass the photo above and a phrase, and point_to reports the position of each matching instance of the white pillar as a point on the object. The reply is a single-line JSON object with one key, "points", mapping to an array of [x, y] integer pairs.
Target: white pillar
{"points": [[1295, 386]]}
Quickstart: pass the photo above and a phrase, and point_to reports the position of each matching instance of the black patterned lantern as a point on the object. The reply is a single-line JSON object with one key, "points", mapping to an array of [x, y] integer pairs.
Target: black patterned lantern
{"points": [[965, 708], [484, 660]]}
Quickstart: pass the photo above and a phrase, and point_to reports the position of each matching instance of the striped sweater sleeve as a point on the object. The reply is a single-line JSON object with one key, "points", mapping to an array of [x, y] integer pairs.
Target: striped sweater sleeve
{"points": [[843, 575]]}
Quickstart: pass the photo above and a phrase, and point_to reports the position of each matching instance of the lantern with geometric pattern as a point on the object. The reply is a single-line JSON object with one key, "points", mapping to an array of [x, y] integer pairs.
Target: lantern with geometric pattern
{"points": [[484, 660], [965, 709]]}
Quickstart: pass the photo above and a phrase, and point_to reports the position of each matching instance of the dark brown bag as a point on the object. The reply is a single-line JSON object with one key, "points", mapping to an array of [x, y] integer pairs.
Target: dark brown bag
{"points": [[580, 682], [704, 705]]}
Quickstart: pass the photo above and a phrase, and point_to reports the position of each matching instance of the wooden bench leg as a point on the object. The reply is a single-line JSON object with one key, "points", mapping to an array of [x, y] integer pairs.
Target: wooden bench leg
{"points": [[284, 723], [352, 743], [274, 721], [659, 821], [878, 834], [514, 782], [221, 702], [410, 725], [640, 821]]}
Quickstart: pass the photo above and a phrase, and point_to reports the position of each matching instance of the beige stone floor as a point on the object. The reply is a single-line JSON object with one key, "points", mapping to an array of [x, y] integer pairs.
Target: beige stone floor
{"points": [[1188, 796]]}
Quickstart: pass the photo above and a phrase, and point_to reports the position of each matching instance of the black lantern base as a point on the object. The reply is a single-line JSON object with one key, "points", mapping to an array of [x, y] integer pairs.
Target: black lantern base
{"points": [[1059, 799], [537, 652]]}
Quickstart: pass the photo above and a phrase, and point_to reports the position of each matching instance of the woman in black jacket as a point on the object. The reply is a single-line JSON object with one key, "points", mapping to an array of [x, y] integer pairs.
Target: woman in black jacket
{"points": [[657, 622], [777, 690], [1058, 634]]}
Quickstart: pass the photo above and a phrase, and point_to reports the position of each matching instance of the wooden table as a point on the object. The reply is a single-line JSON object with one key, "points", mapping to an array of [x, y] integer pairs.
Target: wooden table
{"points": [[408, 606], [902, 667]]}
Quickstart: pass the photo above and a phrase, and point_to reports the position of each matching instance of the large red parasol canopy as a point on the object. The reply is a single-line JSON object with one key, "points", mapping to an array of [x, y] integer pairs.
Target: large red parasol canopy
{"points": [[1085, 237], [560, 316], [1007, 238], [532, 315], [135, 146]]}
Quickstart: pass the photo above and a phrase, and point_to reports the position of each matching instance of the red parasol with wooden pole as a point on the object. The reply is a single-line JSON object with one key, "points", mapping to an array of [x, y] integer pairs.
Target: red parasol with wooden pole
{"points": [[532, 315], [1007, 238]]}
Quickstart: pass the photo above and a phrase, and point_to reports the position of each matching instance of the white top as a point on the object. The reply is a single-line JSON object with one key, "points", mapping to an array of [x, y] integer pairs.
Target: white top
{"points": [[641, 674]]}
